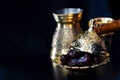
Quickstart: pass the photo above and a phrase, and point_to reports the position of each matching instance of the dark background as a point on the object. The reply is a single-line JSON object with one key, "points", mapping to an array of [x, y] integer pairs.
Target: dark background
{"points": [[26, 29], [27, 26]]}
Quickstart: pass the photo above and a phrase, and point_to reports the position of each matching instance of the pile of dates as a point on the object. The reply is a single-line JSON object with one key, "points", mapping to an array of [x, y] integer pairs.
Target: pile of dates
{"points": [[79, 58]]}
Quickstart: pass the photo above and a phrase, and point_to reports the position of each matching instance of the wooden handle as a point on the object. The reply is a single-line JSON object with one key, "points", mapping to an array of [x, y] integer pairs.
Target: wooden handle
{"points": [[110, 27]]}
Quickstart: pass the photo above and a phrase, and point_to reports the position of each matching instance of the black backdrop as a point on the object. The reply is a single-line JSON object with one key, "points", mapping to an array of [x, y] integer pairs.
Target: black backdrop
{"points": [[27, 26]]}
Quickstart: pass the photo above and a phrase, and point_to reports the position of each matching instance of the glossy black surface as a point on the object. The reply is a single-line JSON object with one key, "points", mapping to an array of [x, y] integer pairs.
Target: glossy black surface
{"points": [[41, 68]]}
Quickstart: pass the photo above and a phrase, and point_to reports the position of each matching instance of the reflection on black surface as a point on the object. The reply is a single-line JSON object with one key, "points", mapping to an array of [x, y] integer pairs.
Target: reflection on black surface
{"points": [[104, 72], [41, 68], [83, 75]]}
